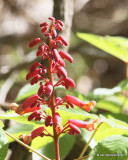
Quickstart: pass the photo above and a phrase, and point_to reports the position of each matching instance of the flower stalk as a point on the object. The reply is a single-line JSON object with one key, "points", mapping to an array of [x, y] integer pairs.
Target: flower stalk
{"points": [[45, 95]]}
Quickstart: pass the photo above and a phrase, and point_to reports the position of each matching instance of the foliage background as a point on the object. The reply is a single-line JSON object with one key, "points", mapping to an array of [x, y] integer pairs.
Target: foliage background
{"points": [[92, 68]]}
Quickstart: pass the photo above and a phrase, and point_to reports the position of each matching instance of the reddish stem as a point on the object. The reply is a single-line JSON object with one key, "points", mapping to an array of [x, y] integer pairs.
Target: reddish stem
{"points": [[56, 137]]}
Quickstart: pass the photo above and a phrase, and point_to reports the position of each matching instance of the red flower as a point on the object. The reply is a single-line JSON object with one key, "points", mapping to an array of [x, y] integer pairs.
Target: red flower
{"points": [[43, 24], [34, 42], [74, 100], [65, 55], [29, 101], [62, 39], [48, 121], [28, 138], [56, 55], [57, 122], [48, 89], [73, 129], [61, 71], [35, 115], [68, 82], [82, 124], [34, 66]]}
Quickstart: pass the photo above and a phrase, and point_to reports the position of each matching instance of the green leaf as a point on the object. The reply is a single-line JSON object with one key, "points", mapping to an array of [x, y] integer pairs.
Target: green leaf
{"points": [[100, 93], [27, 90], [111, 127], [112, 148], [111, 104], [65, 142], [3, 145], [119, 116], [19, 129], [105, 130], [116, 46], [16, 117]]}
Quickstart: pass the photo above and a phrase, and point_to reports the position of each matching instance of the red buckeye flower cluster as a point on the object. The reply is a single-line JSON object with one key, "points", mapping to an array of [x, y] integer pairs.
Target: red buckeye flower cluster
{"points": [[37, 74]]}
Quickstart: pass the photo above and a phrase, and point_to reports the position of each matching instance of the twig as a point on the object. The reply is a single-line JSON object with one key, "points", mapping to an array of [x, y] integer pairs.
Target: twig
{"points": [[86, 146], [26, 146]]}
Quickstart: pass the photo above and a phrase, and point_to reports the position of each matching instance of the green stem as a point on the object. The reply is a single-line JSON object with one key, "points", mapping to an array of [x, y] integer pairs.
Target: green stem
{"points": [[26, 146], [86, 146]]}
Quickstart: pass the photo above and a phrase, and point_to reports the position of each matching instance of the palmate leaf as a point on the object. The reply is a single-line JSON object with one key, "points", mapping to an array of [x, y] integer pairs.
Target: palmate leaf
{"points": [[3, 144], [116, 46], [66, 142], [111, 148]]}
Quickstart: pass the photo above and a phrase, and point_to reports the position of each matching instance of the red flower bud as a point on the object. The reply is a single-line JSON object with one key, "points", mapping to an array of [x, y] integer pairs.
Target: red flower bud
{"points": [[34, 42], [51, 18], [71, 105], [38, 53], [30, 75], [57, 122], [66, 56], [56, 55], [44, 29], [69, 82], [60, 42], [48, 121], [73, 129], [22, 111], [54, 33], [29, 101], [37, 132], [40, 91], [74, 100], [61, 71], [43, 24], [57, 119], [60, 22], [63, 40], [34, 66], [35, 79], [36, 115], [61, 63], [58, 100], [48, 90]]}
